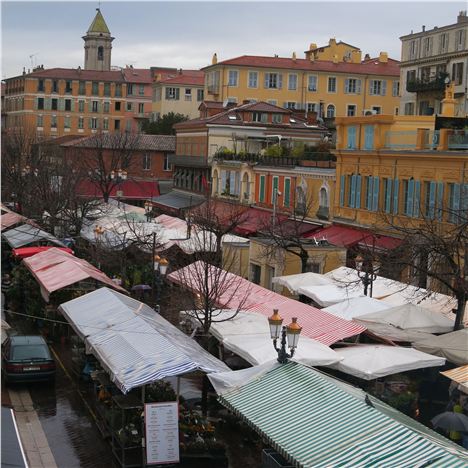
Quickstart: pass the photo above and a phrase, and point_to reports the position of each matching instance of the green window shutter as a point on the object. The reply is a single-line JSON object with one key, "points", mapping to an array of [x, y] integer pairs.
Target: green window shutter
{"points": [[72, 105], [342, 190], [417, 198], [396, 191], [61, 104], [177, 94], [90, 105], [262, 189], [358, 192], [275, 186], [287, 191], [36, 103], [440, 200], [375, 195]]}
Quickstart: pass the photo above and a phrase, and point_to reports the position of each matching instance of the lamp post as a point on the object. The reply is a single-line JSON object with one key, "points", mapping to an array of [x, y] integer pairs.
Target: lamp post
{"points": [[365, 271], [276, 194], [160, 266], [98, 232], [290, 333], [148, 210], [119, 176]]}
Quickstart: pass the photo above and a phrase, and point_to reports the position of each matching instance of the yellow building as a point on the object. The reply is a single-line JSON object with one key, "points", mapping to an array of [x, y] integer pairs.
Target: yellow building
{"points": [[180, 92], [332, 81]]}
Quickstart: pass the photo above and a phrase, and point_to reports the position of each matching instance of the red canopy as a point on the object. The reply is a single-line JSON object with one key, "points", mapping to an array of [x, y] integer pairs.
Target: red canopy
{"points": [[136, 189], [25, 252], [8, 220], [254, 219]]}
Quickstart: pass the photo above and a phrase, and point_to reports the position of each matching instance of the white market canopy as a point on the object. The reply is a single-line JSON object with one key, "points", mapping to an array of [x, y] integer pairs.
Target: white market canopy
{"points": [[452, 346], [248, 336], [356, 306], [329, 294], [26, 234], [406, 323], [294, 282], [133, 343], [374, 361]]}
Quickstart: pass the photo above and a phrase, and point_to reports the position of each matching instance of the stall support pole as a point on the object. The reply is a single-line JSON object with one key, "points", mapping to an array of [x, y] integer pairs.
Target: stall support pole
{"points": [[178, 388], [143, 432]]}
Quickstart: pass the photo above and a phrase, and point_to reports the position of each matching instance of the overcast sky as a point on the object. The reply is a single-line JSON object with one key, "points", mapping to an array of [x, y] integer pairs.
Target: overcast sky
{"points": [[186, 34]]}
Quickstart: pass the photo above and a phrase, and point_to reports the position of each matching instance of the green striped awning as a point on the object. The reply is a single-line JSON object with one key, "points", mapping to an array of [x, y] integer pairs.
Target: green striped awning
{"points": [[313, 422]]}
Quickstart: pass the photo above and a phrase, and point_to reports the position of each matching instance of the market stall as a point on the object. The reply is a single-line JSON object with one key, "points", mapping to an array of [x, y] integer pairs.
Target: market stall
{"points": [[356, 306], [26, 234]]}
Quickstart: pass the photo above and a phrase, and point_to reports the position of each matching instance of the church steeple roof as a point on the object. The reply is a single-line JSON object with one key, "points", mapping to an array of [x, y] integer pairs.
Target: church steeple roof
{"points": [[98, 25]]}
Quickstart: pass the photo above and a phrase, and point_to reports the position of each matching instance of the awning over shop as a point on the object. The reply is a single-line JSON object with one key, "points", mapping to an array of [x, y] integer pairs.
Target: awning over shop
{"points": [[55, 269], [132, 342], [314, 422], [294, 282], [237, 292], [370, 362], [254, 219], [452, 346], [329, 294], [26, 234], [175, 201], [345, 236], [25, 252], [128, 189], [356, 306], [460, 376]]}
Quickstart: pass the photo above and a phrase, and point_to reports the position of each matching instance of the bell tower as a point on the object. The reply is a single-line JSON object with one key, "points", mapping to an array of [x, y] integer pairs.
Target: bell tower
{"points": [[98, 45]]}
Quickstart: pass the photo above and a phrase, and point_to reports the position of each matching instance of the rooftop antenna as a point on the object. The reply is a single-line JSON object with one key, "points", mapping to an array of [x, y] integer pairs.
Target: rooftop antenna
{"points": [[31, 58]]}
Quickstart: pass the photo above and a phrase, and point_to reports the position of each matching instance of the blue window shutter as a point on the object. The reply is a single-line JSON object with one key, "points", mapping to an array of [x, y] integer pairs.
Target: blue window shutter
{"points": [[351, 137], [369, 180], [384, 87], [368, 137], [388, 196], [440, 200], [464, 200], [455, 203], [417, 198], [396, 190], [353, 191], [432, 200], [358, 192], [375, 197], [267, 80], [232, 182], [410, 198], [342, 189], [223, 180]]}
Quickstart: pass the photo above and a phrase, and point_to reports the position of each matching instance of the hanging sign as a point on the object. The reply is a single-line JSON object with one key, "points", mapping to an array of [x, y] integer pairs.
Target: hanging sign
{"points": [[162, 432]]}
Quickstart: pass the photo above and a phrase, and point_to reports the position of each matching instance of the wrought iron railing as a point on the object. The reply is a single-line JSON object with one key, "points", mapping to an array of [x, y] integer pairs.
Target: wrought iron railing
{"points": [[431, 83]]}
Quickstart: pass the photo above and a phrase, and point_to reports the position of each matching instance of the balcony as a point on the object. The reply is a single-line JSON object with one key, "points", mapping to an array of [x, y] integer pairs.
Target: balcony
{"points": [[213, 89], [431, 83], [188, 161], [142, 115]]}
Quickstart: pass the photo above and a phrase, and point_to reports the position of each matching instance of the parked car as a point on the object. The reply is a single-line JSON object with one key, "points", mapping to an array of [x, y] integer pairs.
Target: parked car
{"points": [[27, 358]]}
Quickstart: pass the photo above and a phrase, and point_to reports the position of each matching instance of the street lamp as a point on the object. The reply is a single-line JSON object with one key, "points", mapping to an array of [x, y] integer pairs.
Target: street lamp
{"points": [[290, 333], [148, 210], [119, 176], [365, 271], [98, 232], [160, 266]]}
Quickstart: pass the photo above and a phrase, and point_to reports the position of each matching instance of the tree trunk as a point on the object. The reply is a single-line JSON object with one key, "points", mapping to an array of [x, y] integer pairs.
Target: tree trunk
{"points": [[105, 195], [460, 313], [204, 398], [304, 258]]}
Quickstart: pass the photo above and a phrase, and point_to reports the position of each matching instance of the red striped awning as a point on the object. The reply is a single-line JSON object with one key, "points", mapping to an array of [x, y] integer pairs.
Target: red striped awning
{"points": [[236, 292], [25, 252]]}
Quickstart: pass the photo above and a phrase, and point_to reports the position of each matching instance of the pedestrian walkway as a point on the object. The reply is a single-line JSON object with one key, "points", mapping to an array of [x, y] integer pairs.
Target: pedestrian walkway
{"points": [[30, 429]]}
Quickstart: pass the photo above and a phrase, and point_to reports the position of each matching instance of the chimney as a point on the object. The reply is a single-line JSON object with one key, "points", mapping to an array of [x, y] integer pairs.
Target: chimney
{"points": [[367, 57], [294, 56], [356, 56], [311, 118], [24, 70], [180, 71], [312, 46], [214, 60], [383, 57], [462, 18], [332, 42], [423, 28]]}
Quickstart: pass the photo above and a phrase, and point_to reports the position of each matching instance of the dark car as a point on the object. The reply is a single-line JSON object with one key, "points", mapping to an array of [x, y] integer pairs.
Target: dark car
{"points": [[27, 359]]}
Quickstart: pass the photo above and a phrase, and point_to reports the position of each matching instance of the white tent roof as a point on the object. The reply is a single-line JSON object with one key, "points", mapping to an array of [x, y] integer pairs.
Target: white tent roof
{"points": [[356, 306], [330, 294], [373, 361], [452, 346], [294, 282], [410, 317], [248, 336]]}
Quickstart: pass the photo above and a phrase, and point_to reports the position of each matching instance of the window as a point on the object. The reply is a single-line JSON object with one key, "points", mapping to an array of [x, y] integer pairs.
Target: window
{"points": [[68, 104], [292, 82], [323, 198], [40, 121], [253, 79], [118, 106], [81, 105], [430, 199], [273, 102], [80, 122], [259, 117], [129, 106], [443, 43], [368, 137], [188, 94], [105, 124], [377, 87], [255, 273], [172, 93], [54, 104], [261, 194], [117, 124], [269, 275], [146, 161], [427, 46], [233, 76], [94, 106], [413, 49], [457, 73], [68, 87], [351, 110], [40, 103], [40, 85], [274, 190], [53, 122], [167, 165], [409, 108], [200, 93], [93, 123], [100, 53], [55, 86], [95, 88], [118, 89], [377, 109], [273, 80], [290, 104], [107, 90], [330, 111], [128, 126], [106, 107], [141, 108], [351, 138], [277, 118], [387, 195], [372, 193], [352, 86], [312, 86], [67, 122], [232, 100], [82, 88], [411, 193], [311, 107], [129, 89], [331, 84], [460, 39], [395, 88], [141, 90]]}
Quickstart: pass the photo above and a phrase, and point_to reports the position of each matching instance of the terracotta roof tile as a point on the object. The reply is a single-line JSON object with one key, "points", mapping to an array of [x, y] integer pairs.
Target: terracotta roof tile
{"points": [[138, 75], [372, 67], [185, 79], [78, 74]]}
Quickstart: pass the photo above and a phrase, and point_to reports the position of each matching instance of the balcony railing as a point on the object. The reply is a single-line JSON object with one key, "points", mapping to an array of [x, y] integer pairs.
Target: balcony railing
{"points": [[431, 83], [325, 160], [401, 140], [458, 140]]}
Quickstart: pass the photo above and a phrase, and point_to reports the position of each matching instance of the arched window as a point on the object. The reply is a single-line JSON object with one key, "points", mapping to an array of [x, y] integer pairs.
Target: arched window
{"points": [[323, 196], [100, 53], [300, 200], [330, 111], [245, 186]]}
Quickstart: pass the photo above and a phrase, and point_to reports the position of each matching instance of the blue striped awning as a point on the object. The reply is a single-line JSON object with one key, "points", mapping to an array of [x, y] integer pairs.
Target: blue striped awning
{"points": [[133, 343], [313, 422]]}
